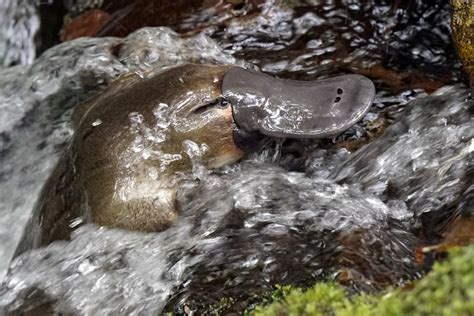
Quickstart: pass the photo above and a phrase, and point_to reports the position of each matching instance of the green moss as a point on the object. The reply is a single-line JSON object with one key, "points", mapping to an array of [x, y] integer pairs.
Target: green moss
{"points": [[322, 299], [462, 23], [447, 290]]}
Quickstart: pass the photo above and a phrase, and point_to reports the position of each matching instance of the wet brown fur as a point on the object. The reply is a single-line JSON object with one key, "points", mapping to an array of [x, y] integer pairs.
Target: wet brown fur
{"points": [[98, 164]]}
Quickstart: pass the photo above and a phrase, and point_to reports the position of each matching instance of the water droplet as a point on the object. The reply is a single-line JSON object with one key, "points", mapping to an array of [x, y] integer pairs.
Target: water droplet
{"points": [[97, 122]]}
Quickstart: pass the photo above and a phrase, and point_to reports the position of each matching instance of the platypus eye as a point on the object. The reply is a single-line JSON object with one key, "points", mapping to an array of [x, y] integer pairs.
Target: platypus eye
{"points": [[219, 102], [223, 102]]}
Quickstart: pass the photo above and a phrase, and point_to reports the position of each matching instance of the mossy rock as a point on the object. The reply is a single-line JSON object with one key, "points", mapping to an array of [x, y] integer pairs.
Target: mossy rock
{"points": [[447, 290], [463, 32]]}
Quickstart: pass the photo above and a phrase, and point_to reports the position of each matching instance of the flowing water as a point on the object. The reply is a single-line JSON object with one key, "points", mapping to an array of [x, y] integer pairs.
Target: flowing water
{"points": [[293, 213], [19, 23]]}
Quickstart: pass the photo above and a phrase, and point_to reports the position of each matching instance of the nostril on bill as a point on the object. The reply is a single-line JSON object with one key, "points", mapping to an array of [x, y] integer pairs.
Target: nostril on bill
{"points": [[340, 92]]}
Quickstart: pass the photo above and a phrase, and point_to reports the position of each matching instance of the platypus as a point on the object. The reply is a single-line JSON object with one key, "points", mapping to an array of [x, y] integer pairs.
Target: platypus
{"points": [[136, 142]]}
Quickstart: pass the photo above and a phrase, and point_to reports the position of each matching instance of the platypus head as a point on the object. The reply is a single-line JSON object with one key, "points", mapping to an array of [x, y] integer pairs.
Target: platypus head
{"points": [[216, 102], [214, 114]]}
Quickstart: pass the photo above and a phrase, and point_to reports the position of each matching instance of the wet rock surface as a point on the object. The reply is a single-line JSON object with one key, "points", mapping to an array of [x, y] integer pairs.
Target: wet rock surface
{"points": [[305, 39]]}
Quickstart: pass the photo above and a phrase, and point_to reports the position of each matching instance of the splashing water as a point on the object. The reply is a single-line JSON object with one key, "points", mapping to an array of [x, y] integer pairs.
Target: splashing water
{"points": [[195, 152], [235, 242], [427, 156], [19, 23]]}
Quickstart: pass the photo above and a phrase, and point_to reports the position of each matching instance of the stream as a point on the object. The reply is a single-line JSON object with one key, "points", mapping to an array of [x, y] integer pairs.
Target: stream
{"points": [[355, 208]]}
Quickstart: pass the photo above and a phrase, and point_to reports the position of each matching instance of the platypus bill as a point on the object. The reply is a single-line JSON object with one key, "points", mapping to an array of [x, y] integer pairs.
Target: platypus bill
{"points": [[135, 142]]}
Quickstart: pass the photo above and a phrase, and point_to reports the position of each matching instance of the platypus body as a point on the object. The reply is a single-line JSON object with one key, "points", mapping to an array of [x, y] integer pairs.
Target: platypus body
{"points": [[121, 169], [136, 142]]}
